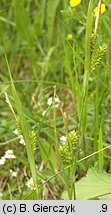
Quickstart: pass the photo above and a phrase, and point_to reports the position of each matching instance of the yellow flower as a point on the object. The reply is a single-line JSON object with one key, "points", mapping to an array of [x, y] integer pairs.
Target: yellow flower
{"points": [[69, 37], [103, 9], [74, 3]]}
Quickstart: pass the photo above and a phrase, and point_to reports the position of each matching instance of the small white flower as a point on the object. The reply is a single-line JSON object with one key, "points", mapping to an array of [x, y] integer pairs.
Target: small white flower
{"points": [[63, 139], [14, 174], [51, 100], [57, 100], [16, 132], [30, 184], [2, 161], [22, 141], [43, 113], [9, 154]]}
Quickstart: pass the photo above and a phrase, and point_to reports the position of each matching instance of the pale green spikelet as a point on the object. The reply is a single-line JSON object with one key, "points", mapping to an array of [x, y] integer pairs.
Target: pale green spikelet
{"points": [[68, 147], [18, 123], [97, 59], [65, 155], [73, 139], [93, 41], [33, 138]]}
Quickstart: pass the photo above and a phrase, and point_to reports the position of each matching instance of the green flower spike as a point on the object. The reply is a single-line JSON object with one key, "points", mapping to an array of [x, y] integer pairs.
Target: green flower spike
{"points": [[73, 138], [18, 123], [93, 41], [65, 155], [68, 143], [33, 138], [97, 59]]}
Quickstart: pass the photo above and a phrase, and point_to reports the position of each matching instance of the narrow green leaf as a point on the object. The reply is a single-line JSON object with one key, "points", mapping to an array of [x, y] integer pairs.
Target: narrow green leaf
{"points": [[25, 130], [23, 23], [100, 146], [51, 15]]}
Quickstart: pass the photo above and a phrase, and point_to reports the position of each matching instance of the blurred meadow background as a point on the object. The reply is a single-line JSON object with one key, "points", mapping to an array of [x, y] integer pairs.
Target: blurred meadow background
{"points": [[55, 78]]}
